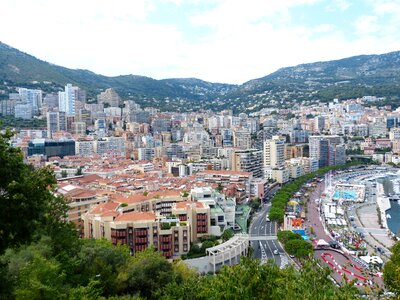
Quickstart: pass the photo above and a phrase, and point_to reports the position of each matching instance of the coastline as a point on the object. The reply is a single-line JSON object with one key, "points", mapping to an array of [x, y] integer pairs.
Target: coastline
{"points": [[383, 203]]}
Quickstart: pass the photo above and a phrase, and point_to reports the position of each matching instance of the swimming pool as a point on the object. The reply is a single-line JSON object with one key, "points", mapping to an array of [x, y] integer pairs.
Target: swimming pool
{"points": [[345, 194]]}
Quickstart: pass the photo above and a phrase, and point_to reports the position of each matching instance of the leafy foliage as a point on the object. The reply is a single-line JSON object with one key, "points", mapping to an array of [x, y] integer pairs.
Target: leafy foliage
{"points": [[12, 122], [227, 234], [145, 273], [27, 193], [255, 203], [391, 271], [250, 280], [294, 244]]}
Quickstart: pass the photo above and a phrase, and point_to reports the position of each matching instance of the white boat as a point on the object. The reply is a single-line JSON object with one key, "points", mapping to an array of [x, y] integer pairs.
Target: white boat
{"points": [[388, 216]]}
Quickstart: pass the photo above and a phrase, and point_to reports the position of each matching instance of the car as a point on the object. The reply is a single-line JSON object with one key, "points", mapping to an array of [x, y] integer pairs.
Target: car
{"points": [[276, 252], [291, 256]]}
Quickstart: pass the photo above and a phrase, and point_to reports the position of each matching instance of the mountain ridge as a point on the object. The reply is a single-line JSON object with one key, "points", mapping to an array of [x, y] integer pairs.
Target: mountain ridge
{"points": [[377, 74]]}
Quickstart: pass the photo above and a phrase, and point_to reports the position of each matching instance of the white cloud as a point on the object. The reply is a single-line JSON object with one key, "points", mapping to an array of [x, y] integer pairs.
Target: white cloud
{"points": [[324, 28], [341, 5], [239, 40], [366, 25], [386, 6], [230, 12]]}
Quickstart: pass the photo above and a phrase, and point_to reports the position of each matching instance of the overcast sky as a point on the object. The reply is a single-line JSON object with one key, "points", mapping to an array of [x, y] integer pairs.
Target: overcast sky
{"points": [[230, 41]]}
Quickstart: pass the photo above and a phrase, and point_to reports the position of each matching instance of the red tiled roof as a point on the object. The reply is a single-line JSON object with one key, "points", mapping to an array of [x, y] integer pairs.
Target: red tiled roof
{"points": [[136, 216], [130, 199], [105, 208], [88, 178], [185, 204]]}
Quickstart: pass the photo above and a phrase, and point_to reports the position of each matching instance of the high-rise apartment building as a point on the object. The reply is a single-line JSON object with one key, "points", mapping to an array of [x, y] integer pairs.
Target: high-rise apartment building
{"points": [[109, 97], [241, 139], [249, 160], [274, 153], [33, 98], [67, 99], [322, 148], [319, 124], [53, 124], [7, 107], [79, 128], [23, 111], [62, 121]]}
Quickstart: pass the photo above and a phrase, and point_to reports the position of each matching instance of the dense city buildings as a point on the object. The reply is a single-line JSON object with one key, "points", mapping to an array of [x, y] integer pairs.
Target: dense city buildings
{"points": [[143, 177]]}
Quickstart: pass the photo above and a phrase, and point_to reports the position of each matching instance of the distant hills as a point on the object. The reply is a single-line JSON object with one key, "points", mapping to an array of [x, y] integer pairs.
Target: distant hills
{"points": [[345, 78]]}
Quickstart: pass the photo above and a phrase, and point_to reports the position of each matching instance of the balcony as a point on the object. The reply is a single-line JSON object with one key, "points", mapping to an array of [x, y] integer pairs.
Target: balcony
{"points": [[165, 239], [140, 232]]}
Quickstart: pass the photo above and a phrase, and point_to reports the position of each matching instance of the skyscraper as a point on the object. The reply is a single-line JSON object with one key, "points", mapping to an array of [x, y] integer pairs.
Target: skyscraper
{"points": [[319, 124], [67, 99], [249, 160], [241, 139], [322, 149], [31, 97], [274, 153], [53, 124]]}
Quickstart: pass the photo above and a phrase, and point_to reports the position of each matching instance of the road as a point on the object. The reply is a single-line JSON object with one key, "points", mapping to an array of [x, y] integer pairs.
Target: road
{"points": [[329, 257], [264, 249]]}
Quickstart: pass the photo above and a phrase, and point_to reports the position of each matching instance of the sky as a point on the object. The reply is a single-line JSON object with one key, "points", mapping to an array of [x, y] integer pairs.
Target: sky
{"points": [[228, 41]]}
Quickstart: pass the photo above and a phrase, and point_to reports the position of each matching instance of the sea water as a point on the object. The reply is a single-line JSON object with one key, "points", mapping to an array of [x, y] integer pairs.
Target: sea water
{"points": [[394, 211], [394, 221]]}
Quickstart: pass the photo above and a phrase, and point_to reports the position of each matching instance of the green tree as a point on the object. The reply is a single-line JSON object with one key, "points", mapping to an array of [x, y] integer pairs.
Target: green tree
{"points": [[205, 245], [34, 272], [145, 273], [250, 280], [276, 214], [64, 174], [299, 248], [286, 235], [91, 291], [78, 171], [27, 201], [227, 234], [255, 203], [99, 260], [391, 271]]}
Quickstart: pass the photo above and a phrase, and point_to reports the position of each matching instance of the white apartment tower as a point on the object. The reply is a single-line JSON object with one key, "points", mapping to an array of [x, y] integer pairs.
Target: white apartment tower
{"points": [[67, 99], [274, 153]]}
